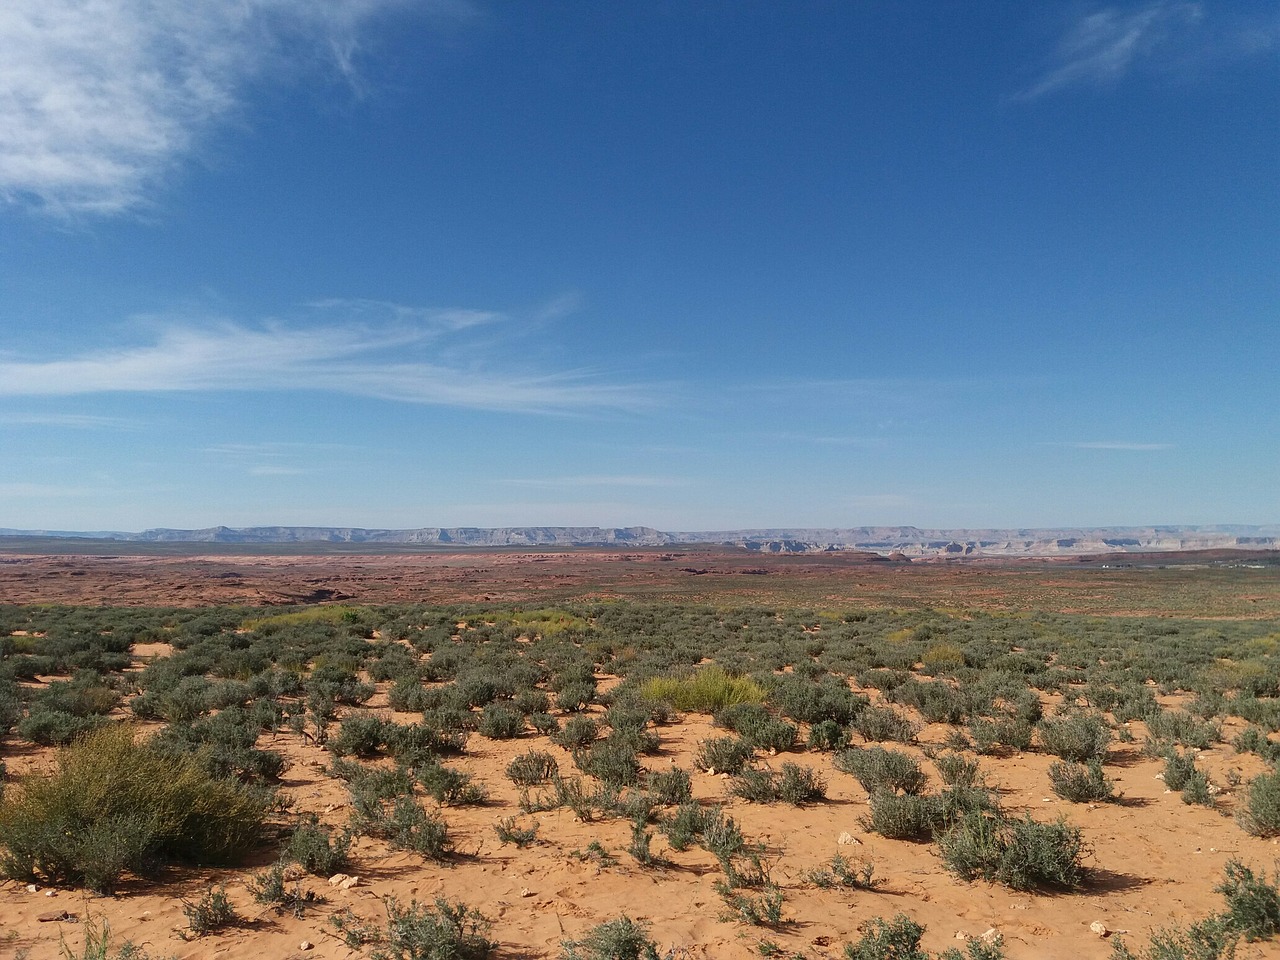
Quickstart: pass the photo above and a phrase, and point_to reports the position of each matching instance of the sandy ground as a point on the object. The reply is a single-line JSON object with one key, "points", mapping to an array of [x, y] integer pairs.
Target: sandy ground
{"points": [[1154, 863]]}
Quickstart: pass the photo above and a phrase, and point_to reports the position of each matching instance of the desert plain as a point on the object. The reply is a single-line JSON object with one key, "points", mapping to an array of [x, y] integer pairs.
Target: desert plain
{"points": [[1192, 645]]}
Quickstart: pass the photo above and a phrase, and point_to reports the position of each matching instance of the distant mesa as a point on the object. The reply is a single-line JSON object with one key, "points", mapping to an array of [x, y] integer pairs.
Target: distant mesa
{"points": [[898, 544]]}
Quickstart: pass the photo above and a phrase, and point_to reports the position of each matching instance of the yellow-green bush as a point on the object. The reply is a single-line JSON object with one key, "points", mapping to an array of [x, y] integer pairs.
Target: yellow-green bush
{"points": [[707, 690], [116, 805]]}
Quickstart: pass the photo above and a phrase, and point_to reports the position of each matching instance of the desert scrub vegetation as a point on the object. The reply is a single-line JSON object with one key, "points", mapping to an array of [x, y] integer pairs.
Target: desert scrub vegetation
{"points": [[116, 805], [1252, 911], [1260, 814], [1075, 737], [793, 784], [1081, 782], [620, 939], [723, 755], [841, 873], [705, 690], [899, 939], [444, 931], [601, 679], [1019, 853], [878, 769]]}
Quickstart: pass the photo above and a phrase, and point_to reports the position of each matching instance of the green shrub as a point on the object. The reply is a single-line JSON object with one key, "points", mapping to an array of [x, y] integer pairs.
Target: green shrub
{"points": [[578, 731], [115, 805], [404, 824], [758, 727], [509, 832], [1209, 939], [723, 754], [839, 872], [55, 728], [884, 723], [904, 816], [1081, 782], [957, 770], [545, 723], [1021, 854], [450, 787], [667, 787], [97, 945], [896, 939], [360, 735], [1255, 740], [445, 932], [1261, 813], [1253, 904], [640, 840], [621, 939], [531, 701], [612, 762], [1197, 790], [316, 849], [500, 722], [799, 785], [1014, 733], [423, 742], [576, 695], [1178, 769], [878, 769], [1182, 728], [532, 768], [764, 910], [406, 694], [212, 912], [1075, 737], [755, 784], [828, 735]]}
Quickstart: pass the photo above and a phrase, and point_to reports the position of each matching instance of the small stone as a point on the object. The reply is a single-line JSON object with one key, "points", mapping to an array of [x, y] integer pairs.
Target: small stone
{"points": [[992, 935], [32, 888], [49, 893], [846, 839], [337, 879], [1100, 928], [711, 771], [53, 916], [306, 945], [961, 935], [526, 892], [350, 882]]}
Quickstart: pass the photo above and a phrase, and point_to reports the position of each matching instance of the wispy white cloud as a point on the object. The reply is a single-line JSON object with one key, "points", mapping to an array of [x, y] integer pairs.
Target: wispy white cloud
{"points": [[596, 480], [276, 470], [42, 491], [75, 421], [1113, 445], [278, 458], [826, 440], [880, 501], [1103, 46], [100, 100], [379, 362]]}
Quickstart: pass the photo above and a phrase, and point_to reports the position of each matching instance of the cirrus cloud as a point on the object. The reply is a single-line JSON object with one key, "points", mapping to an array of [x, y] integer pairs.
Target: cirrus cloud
{"points": [[379, 361], [101, 99]]}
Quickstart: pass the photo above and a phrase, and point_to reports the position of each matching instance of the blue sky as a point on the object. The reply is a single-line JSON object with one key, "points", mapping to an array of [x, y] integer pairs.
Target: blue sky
{"points": [[694, 266]]}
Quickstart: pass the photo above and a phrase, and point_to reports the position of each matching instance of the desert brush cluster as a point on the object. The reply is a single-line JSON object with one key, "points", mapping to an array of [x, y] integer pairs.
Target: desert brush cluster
{"points": [[175, 760]]}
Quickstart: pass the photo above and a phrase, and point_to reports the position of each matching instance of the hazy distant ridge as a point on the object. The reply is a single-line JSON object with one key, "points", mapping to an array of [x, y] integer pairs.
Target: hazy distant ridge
{"points": [[908, 541]]}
